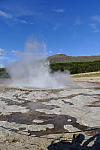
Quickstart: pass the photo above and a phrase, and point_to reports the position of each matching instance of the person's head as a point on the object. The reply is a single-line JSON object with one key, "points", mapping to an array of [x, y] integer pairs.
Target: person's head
{"points": [[78, 139]]}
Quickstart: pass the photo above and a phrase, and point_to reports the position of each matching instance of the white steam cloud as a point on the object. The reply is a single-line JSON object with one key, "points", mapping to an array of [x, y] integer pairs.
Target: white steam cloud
{"points": [[32, 69]]}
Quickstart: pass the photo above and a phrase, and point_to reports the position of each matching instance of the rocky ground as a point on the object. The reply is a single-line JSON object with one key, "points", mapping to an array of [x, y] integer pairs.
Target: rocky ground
{"points": [[32, 118]]}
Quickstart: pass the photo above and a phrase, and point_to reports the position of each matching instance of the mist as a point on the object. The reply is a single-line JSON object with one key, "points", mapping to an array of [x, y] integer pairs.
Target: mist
{"points": [[32, 69]]}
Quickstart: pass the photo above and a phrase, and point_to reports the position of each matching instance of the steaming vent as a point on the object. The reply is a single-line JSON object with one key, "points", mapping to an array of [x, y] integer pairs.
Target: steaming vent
{"points": [[32, 69]]}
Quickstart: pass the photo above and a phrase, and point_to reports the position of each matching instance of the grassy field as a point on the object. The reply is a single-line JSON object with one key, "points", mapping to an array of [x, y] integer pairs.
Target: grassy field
{"points": [[89, 74]]}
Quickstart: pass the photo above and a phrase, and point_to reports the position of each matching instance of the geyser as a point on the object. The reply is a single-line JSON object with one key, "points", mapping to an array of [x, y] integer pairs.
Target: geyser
{"points": [[32, 69]]}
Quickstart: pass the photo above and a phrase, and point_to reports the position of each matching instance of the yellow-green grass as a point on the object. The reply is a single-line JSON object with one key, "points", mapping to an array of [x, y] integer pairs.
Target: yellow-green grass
{"points": [[89, 74]]}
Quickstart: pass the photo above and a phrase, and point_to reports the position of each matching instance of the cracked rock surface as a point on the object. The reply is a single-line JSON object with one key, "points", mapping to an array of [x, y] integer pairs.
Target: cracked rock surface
{"points": [[32, 118]]}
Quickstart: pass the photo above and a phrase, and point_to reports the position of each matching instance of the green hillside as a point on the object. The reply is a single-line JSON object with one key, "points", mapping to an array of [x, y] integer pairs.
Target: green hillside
{"points": [[75, 64], [3, 73], [76, 67]]}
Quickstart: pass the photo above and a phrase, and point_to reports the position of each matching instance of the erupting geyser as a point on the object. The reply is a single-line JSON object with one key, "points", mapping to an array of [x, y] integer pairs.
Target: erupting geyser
{"points": [[32, 69]]}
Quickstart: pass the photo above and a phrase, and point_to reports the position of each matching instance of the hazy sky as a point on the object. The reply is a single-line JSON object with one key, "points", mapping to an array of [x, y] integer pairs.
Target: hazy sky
{"points": [[66, 26]]}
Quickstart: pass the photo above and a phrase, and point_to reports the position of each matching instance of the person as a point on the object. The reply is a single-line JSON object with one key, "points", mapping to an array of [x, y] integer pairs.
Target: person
{"points": [[77, 141], [96, 145], [64, 145]]}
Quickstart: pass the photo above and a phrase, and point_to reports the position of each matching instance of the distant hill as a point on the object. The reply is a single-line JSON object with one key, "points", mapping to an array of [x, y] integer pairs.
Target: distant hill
{"points": [[62, 58]]}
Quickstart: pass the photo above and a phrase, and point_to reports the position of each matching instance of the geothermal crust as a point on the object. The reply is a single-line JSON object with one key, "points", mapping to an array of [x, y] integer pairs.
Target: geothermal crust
{"points": [[32, 118]]}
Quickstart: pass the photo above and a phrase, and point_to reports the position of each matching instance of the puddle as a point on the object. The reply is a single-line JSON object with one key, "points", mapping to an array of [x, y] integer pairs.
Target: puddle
{"points": [[57, 120]]}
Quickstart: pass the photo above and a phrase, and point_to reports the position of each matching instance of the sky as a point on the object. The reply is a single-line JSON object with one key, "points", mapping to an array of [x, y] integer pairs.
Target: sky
{"points": [[71, 27]]}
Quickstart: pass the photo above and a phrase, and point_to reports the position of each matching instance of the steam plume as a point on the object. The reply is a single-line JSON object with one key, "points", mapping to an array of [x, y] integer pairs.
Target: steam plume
{"points": [[32, 69]]}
